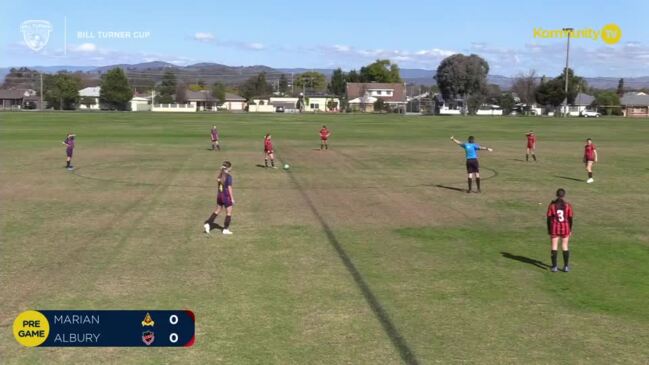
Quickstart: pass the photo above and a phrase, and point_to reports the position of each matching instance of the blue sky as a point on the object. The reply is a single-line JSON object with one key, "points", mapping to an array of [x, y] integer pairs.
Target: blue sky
{"points": [[347, 34]]}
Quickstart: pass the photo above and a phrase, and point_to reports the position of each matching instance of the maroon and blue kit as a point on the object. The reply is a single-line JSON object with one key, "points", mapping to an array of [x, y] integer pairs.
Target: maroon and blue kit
{"points": [[214, 135], [223, 197], [69, 141]]}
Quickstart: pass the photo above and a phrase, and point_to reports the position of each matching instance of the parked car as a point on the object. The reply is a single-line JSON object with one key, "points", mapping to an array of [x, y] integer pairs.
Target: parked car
{"points": [[590, 114]]}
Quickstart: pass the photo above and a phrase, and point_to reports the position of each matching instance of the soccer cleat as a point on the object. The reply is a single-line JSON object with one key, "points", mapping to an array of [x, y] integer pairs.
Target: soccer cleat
{"points": [[227, 231], [554, 269], [566, 268], [590, 181], [206, 228]]}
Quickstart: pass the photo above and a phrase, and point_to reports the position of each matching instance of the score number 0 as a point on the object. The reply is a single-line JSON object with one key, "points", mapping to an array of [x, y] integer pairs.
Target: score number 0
{"points": [[173, 337]]}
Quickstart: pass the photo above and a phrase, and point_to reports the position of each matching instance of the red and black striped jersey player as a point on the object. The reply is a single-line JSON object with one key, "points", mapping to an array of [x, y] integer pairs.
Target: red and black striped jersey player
{"points": [[559, 221], [268, 151]]}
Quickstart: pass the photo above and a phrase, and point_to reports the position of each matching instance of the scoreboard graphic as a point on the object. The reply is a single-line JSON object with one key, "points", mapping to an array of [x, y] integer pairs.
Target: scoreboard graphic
{"points": [[105, 328]]}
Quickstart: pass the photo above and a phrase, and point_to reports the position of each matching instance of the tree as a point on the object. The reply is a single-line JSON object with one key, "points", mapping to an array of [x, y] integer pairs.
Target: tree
{"points": [[218, 92], [166, 89], [608, 102], [551, 93], [506, 102], [380, 105], [380, 71], [180, 96], [256, 86], [525, 87], [283, 84], [620, 87], [311, 80], [493, 93], [22, 78], [576, 84], [337, 84], [353, 76], [61, 91], [115, 91], [462, 76]]}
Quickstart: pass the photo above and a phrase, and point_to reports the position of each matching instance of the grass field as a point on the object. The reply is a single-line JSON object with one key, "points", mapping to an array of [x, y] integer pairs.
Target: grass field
{"points": [[365, 254]]}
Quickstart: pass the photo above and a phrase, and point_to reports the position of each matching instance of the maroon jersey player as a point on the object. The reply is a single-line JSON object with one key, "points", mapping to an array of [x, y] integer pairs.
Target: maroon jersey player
{"points": [[559, 221], [531, 145], [69, 150], [324, 136], [224, 199], [269, 154], [590, 158]]}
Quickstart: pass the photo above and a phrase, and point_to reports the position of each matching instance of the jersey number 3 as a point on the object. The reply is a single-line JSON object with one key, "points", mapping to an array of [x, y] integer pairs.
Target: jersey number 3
{"points": [[560, 216]]}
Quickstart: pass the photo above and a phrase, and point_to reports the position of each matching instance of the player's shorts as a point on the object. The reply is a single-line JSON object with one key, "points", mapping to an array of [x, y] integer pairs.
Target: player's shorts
{"points": [[560, 235], [324, 139], [530, 145], [268, 151], [215, 141], [472, 165], [223, 200], [587, 160], [68, 151]]}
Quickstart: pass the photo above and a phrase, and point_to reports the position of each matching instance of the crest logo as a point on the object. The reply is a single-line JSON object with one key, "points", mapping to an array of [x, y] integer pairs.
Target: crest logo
{"points": [[148, 321], [36, 33], [148, 337]]}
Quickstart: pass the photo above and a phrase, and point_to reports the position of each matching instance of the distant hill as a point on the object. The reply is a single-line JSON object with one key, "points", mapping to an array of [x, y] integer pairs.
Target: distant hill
{"points": [[144, 74]]}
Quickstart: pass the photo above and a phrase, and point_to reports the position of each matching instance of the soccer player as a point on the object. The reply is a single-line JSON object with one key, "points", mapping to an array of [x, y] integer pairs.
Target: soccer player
{"points": [[324, 135], [531, 146], [268, 151], [559, 220], [224, 199], [472, 166], [214, 137], [69, 142], [590, 157]]}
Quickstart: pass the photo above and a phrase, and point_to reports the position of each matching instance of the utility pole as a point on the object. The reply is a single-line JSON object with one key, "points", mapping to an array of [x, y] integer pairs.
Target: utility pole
{"points": [[40, 107], [565, 73]]}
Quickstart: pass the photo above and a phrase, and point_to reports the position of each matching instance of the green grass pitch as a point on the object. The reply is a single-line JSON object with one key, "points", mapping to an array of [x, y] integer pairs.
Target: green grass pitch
{"points": [[364, 254]]}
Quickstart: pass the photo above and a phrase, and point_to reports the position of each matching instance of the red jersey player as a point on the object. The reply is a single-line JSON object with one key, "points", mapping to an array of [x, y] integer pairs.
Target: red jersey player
{"points": [[268, 151], [590, 157], [559, 220], [531, 145], [324, 135]]}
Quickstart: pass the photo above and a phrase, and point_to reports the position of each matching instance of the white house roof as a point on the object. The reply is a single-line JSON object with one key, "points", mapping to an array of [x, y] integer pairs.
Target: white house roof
{"points": [[90, 91], [365, 99]]}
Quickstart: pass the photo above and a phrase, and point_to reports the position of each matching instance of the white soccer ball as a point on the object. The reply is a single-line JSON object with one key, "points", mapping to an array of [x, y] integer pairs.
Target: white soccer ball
{"points": [[286, 166]]}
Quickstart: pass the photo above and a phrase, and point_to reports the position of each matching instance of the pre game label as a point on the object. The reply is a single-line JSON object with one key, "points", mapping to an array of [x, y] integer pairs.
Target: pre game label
{"points": [[105, 328]]}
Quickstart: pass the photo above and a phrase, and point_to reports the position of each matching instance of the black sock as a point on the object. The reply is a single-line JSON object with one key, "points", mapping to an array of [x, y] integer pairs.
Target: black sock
{"points": [[326, 147], [272, 163], [553, 257], [266, 162], [477, 182], [534, 157], [527, 157], [67, 164], [566, 257], [470, 182], [211, 219], [218, 147], [321, 146], [226, 224], [590, 175]]}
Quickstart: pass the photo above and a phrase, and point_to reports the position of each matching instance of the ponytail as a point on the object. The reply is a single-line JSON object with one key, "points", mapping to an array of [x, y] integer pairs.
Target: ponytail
{"points": [[559, 202], [226, 165]]}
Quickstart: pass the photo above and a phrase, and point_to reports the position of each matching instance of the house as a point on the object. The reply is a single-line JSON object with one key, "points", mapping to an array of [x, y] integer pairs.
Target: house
{"points": [[202, 99], [140, 102], [258, 105], [581, 104], [489, 109], [635, 104], [321, 103], [233, 102], [363, 95], [286, 103], [89, 98], [16, 99]]}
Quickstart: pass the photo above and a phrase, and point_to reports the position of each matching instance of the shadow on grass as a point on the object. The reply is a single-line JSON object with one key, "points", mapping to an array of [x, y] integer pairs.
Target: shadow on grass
{"points": [[260, 165], [569, 178], [450, 188], [526, 260]]}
